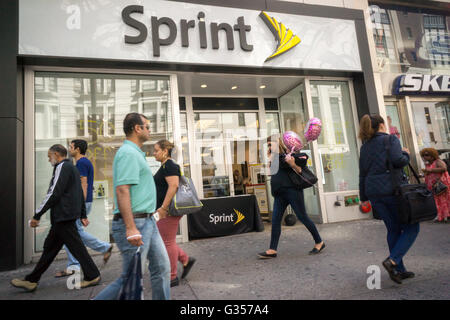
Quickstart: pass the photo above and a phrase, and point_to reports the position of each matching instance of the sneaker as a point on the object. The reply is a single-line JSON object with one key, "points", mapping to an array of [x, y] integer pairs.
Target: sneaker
{"points": [[94, 282], [174, 282], [27, 285], [188, 267]]}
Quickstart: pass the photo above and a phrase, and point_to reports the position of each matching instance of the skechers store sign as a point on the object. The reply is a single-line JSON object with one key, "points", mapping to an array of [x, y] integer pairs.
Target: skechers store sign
{"points": [[422, 84], [178, 32]]}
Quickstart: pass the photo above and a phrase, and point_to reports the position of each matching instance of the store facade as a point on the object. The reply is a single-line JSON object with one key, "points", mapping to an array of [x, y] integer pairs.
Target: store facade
{"points": [[215, 80], [412, 48]]}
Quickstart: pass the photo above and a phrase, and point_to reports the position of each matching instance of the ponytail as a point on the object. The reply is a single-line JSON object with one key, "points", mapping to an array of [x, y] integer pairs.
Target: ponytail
{"points": [[368, 126]]}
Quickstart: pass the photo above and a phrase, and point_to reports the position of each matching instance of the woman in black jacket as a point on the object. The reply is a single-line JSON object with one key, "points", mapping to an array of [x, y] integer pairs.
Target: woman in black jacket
{"points": [[286, 193], [375, 185]]}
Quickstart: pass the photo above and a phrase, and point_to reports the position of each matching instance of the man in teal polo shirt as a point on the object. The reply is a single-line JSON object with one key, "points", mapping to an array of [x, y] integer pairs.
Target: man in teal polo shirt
{"points": [[135, 202]]}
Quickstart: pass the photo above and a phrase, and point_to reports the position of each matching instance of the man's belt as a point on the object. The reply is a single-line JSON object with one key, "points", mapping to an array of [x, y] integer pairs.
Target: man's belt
{"points": [[118, 216]]}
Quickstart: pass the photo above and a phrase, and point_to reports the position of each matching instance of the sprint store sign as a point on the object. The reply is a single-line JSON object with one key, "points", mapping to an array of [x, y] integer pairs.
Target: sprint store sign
{"points": [[177, 32]]}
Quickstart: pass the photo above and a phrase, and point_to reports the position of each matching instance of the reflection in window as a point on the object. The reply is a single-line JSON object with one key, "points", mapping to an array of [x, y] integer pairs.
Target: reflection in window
{"points": [[413, 40], [337, 142], [228, 151], [431, 121], [272, 123], [185, 145], [92, 107]]}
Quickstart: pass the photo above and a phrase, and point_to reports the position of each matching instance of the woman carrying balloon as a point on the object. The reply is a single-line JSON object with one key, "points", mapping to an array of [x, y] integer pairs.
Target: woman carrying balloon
{"points": [[285, 192]]}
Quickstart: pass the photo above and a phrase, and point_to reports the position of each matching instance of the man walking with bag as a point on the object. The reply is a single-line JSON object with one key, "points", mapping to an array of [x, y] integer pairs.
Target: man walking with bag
{"points": [[133, 224], [66, 201]]}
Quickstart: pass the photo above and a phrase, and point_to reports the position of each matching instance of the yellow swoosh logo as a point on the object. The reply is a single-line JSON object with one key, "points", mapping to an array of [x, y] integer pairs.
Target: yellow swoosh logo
{"points": [[240, 216], [285, 37]]}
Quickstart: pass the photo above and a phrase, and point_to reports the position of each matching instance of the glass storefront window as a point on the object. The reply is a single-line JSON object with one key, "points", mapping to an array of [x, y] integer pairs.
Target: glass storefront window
{"points": [[413, 42], [393, 121], [432, 124], [227, 150], [294, 116], [92, 107], [185, 145], [337, 143], [272, 123]]}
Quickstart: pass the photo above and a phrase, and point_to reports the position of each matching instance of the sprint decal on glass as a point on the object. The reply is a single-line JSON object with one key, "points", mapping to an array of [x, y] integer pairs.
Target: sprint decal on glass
{"points": [[240, 216], [285, 37]]}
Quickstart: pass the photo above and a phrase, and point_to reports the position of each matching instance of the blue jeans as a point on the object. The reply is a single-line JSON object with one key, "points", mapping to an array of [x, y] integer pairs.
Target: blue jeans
{"points": [[400, 237], [89, 241], [293, 197], [153, 249]]}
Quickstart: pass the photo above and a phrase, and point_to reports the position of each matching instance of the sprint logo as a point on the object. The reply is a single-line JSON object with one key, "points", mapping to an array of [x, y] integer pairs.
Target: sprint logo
{"points": [[240, 216], [285, 37], [227, 218]]}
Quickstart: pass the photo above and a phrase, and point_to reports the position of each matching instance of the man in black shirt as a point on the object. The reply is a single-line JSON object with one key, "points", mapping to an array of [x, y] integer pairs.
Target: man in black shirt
{"points": [[66, 201]]}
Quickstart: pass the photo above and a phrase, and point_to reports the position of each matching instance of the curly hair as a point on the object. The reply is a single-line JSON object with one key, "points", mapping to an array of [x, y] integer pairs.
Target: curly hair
{"points": [[430, 151]]}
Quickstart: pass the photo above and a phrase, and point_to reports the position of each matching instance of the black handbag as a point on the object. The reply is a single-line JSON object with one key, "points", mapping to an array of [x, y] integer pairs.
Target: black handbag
{"points": [[439, 188], [416, 202], [303, 180]]}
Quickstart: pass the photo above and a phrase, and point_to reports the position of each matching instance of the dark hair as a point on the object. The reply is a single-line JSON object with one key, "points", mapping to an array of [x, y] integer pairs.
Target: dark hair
{"points": [[131, 120], [166, 145], [59, 148], [369, 125], [80, 144], [431, 152]]}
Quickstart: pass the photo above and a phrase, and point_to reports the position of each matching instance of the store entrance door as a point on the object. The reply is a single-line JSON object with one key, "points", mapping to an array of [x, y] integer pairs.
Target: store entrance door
{"points": [[227, 152], [294, 116]]}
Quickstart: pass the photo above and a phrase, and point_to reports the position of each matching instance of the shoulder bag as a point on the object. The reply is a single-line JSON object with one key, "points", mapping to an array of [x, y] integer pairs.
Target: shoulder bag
{"points": [[439, 188], [302, 180], [416, 202], [185, 200]]}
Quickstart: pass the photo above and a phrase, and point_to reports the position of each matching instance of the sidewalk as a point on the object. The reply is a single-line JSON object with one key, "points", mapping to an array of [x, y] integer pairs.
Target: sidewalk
{"points": [[228, 268]]}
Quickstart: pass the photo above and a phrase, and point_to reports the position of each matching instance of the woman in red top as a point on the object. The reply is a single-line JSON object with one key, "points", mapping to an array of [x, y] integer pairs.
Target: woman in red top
{"points": [[437, 169]]}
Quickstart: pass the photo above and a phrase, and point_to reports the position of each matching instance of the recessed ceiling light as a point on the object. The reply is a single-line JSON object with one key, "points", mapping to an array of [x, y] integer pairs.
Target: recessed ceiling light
{"points": [[203, 86], [233, 87], [262, 86]]}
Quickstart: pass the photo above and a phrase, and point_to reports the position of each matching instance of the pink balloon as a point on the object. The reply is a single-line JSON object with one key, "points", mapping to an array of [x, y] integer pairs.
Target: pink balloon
{"points": [[292, 141], [313, 129]]}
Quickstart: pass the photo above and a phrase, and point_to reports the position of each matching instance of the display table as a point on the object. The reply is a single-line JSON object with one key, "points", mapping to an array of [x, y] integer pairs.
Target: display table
{"points": [[225, 216]]}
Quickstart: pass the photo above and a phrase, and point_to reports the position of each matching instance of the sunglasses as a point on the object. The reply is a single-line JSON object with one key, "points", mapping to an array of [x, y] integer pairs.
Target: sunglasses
{"points": [[145, 126]]}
